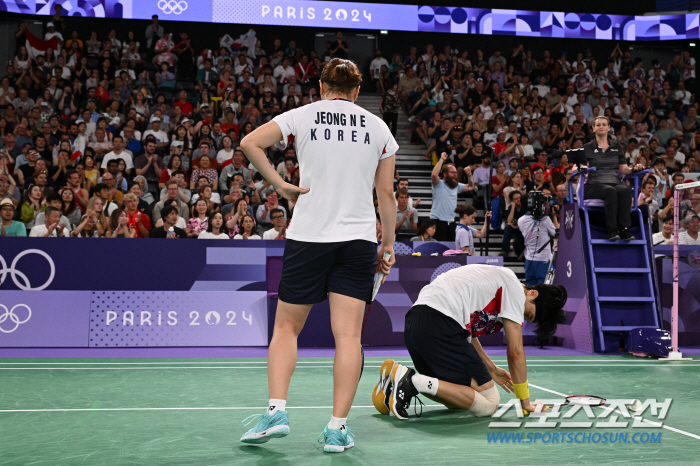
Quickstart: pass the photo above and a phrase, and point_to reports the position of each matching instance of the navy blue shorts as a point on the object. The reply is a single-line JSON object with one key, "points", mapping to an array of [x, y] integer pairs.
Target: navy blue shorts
{"points": [[439, 348], [312, 270]]}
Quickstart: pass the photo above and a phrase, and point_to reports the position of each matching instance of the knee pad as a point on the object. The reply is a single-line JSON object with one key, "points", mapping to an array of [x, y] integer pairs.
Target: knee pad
{"points": [[485, 402]]}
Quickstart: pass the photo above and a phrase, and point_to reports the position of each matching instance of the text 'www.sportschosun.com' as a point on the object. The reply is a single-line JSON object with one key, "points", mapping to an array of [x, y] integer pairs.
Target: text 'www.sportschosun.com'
{"points": [[522, 438]]}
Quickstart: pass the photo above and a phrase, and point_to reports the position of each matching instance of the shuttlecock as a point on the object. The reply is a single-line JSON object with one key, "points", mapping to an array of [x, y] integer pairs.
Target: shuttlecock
{"points": [[635, 406]]}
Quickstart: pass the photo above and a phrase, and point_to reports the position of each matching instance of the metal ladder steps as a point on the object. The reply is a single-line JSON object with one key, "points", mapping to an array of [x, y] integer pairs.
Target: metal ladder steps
{"points": [[625, 299], [620, 270], [618, 243], [624, 328]]}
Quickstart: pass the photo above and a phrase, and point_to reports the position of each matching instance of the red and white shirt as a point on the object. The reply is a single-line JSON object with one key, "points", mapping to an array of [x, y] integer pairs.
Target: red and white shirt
{"points": [[478, 297]]}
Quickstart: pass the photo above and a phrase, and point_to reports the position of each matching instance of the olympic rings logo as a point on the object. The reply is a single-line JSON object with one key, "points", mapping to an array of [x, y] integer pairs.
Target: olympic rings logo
{"points": [[10, 315], [172, 6], [20, 278]]}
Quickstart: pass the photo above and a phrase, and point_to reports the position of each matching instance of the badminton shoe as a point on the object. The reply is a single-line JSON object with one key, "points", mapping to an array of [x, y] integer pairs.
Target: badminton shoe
{"points": [[336, 440], [402, 391], [270, 426], [380, 394]]}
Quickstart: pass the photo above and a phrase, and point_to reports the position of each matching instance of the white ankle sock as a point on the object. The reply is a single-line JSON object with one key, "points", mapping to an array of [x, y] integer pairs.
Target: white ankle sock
{"points": [[337, 422], [276, 405], [425, 384]]}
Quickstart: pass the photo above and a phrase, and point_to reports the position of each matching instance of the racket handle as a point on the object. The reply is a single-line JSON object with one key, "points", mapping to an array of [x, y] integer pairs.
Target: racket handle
{"points": [[380, 276]]}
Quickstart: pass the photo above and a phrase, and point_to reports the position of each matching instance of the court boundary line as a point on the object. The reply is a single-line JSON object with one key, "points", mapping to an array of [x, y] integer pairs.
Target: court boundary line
{"points": [[679, 364], [653, 423], [183, 408], [637, 362]]}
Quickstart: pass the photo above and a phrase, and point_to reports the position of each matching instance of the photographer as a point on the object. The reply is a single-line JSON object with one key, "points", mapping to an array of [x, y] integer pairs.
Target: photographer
{"points": [[538, 227]]}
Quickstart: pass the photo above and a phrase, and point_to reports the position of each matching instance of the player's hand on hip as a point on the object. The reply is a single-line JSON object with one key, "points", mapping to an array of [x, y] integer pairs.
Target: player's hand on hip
{"points": [[291, 192], [383, 265]]}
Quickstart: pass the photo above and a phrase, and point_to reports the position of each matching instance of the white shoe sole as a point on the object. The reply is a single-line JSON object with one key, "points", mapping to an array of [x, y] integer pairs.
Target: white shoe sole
{"points": [[266, 435], [384, 380], [337, 448]]}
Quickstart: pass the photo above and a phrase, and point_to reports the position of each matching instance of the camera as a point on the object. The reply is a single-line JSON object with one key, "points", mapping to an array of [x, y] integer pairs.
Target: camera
{"points": [[537, 204]]}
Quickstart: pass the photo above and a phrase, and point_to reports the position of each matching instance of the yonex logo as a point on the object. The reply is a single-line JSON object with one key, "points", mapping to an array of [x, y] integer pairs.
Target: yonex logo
{"points": [[430, 385], [172, 6], [401, 394], [23, 282], [12, 317]]}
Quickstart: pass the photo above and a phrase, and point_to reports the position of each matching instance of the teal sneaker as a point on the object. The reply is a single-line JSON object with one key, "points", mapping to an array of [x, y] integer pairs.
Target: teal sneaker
{"points": [[337, 440], [270, 426]]}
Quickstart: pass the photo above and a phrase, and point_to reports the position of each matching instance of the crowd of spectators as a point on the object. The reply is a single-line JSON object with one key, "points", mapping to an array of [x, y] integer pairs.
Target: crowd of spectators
{"points": [[137, 134], [522, 113]]}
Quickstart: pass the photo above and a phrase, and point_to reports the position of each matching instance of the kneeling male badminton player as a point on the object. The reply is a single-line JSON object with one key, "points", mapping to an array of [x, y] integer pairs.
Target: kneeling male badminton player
{"points": [[331, 248], [441, 335]]}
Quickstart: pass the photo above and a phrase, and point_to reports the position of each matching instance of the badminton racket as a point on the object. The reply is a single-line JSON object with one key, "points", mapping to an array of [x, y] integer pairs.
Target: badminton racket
{"points": [[583, 400], [375, 290], [580, 400]]}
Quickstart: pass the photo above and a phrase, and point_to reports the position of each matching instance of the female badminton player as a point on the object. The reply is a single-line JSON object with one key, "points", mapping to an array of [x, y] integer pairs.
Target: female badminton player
{"points": [[331, 248]]}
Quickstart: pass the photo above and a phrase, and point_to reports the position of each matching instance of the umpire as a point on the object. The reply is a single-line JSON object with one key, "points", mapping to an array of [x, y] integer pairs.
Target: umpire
{"points": [[604, 183]]}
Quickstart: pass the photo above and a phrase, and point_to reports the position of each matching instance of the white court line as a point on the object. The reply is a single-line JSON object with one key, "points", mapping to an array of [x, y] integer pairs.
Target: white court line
{"points": [[673, 429], [637, 362], [679, 364], [63, 410]]}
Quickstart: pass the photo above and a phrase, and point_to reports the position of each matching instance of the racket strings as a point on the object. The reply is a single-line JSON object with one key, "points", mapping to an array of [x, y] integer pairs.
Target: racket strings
{"points": [[588, 400]]}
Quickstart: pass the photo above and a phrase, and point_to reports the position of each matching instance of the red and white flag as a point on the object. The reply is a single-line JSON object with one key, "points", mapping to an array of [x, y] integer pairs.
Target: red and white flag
{"points": [[37, 46]]}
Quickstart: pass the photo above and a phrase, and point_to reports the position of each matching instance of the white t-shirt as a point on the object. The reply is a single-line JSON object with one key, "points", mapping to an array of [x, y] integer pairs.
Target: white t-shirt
{"points": [[376, 66], [161, 136], [540, 236], [208, 235], [223, 156], [478, 297], [350, 146], [660, 239], [683, 238], [41, 230], [528, 150], [124, 155], [464, 238], [283, 74], [687, 72], [250, 237], [270, 234], [682, 95], [51, 35]]}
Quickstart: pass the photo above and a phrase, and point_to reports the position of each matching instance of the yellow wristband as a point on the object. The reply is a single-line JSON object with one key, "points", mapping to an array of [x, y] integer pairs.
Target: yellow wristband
{"points": [[521, 390]]}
